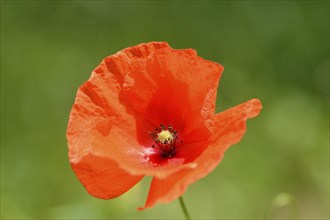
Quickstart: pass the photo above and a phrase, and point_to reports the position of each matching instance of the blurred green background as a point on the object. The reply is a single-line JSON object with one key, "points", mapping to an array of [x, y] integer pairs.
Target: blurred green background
{"points": [[276, 51]]}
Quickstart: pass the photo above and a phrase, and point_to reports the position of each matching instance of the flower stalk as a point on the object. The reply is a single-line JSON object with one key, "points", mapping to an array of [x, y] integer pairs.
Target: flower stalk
{"points": [[184, 209]]}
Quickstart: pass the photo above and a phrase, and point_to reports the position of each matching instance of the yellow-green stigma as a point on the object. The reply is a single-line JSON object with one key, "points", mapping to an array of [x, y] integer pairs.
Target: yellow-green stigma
{"points": [[165, 136]]}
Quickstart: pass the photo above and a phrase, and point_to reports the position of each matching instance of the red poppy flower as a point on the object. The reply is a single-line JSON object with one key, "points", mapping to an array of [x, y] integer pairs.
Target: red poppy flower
{"points": [[149, 111]]}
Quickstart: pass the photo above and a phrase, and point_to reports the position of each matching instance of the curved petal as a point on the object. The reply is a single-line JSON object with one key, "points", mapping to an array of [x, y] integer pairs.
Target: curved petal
{"points": [[134, 90], [159, 82], [100, 124], [228, 128], [102, 177]]}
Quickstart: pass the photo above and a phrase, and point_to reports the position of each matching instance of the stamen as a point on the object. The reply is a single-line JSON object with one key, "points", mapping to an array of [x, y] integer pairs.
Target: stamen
{"points": [[165, 139]]}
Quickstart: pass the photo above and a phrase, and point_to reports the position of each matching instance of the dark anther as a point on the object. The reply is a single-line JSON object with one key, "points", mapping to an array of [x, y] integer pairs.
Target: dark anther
{"points": [[152, 134], [165, 138]]}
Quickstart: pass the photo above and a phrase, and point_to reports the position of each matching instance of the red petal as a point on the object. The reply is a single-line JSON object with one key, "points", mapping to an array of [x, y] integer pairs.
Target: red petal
{"points": [[102, 177], [102, 124], [228, 128], [167, 86]]}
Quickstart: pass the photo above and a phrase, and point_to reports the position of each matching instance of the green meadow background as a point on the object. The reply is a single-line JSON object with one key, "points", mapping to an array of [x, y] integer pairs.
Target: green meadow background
{"points": [[277, 51]]}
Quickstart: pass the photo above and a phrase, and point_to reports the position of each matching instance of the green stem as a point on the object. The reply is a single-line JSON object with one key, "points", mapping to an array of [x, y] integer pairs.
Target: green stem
{"points": [[184, 209]]}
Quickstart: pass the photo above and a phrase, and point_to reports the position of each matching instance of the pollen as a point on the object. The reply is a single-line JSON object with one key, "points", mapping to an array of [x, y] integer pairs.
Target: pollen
{"points": [[165, 136]]}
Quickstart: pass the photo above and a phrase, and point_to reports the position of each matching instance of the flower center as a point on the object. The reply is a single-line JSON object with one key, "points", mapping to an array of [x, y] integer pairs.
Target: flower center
{"points": [[165, 136], [165, 139]]}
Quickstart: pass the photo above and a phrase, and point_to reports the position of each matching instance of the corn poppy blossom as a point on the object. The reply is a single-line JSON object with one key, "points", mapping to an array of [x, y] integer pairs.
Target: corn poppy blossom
{"points": [[149, 110]]}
